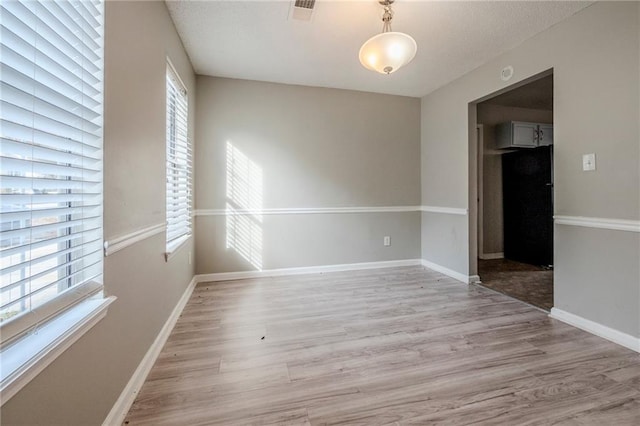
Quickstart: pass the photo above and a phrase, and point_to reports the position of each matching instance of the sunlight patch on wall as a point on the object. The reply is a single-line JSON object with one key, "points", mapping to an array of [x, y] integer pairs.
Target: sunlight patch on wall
{"points": [[244, 205]]}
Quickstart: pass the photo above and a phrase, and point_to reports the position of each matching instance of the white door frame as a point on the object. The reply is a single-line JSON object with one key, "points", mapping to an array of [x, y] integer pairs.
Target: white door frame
{"points": [[480, 153], [475, 188]]}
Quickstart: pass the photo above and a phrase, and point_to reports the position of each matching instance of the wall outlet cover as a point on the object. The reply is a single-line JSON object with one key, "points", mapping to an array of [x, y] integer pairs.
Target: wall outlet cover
{"points": [[588, 162]]}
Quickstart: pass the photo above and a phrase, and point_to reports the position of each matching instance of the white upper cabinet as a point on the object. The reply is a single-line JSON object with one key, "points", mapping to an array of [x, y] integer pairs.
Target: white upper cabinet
{"points": [[545, 134], [518, 134]]}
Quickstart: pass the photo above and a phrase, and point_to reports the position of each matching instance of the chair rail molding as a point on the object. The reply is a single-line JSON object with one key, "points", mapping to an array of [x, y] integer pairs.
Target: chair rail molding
{"points": [[445, 210], [123, 241], [330, 210], [599, 222]]}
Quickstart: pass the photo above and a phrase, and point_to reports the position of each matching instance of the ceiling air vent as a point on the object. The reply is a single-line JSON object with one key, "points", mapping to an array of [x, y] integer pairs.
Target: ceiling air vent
{"points": [[301, 10], [305, 4]]}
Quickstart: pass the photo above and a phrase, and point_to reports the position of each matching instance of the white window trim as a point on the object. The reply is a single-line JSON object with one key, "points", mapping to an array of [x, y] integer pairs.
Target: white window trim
{"points": [[174, 246], [33, 339], [25, 359]]}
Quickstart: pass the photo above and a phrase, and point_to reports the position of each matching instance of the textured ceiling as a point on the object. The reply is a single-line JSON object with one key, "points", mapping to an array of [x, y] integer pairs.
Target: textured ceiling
{"points": [[256, 40]]}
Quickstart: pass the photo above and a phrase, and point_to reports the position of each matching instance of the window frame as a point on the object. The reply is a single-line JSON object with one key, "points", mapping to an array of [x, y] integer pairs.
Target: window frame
{"points": [[41, 331], [178, 143]]}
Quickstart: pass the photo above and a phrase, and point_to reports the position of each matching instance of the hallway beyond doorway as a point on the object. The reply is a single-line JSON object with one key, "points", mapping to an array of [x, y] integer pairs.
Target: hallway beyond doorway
{"points": [[529, 283]]}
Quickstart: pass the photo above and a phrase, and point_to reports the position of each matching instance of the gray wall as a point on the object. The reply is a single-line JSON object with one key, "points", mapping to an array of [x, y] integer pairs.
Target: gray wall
{"points": [[596, 64], [306, 148], [489, 116], [81, 386], [599, 263]]}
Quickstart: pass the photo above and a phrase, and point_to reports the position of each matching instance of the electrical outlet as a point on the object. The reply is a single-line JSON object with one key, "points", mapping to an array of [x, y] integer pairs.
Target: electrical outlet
{"points": [[189, 257], [387, 241], [588, 162]]}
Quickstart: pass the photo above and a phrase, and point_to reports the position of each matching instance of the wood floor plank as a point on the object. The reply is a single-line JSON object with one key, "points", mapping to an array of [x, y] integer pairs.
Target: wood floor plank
{"points": [[392, 346]]}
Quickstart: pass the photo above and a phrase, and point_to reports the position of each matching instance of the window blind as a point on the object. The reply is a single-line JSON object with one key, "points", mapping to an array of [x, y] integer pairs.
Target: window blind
{"points": [[179, 161], [51, 62]]}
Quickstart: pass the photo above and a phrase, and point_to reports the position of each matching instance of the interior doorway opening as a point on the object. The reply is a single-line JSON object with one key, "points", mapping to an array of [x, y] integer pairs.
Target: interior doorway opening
{"points": [[514, 187]]}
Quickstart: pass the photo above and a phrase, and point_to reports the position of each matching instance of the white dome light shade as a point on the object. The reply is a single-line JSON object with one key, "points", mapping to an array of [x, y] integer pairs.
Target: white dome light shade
{"points": [[388, 52]]}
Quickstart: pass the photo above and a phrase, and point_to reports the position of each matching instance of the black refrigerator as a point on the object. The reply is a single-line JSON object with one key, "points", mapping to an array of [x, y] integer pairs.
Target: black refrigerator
{"points": [[527, 188]]}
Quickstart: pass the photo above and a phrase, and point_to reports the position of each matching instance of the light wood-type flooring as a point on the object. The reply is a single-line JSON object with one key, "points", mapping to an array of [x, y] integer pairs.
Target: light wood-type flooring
{"points": [[396, 346]]}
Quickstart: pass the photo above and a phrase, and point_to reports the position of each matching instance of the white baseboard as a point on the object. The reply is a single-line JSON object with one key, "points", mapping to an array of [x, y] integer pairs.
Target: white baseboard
{"points": [[228, 276], [467, 279], [623, 339], [473, 279], [120, 409], [489, 256]]}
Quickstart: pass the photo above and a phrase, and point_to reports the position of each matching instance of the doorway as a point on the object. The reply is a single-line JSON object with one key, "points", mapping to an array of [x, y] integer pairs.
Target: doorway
{"points": [[514, 223]]}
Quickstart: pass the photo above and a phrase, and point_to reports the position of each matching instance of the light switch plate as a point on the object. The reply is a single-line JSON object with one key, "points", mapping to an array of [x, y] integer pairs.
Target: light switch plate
{"points": [[588, 162]]}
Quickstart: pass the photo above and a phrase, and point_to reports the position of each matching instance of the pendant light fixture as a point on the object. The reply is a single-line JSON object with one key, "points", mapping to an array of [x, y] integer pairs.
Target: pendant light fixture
{"points": [[389, 51]]}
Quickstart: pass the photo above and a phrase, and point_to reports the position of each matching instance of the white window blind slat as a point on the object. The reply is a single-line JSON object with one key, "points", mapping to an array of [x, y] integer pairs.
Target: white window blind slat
{"points": [[89, 145], [34, 232], [8, 255], [49, 47], [176, 108], [51, 78], [45, 269], [179, 209], [91, 10], [16, 201], [179, 155], [177, 215], [8, 217], [180, 187], [62, 110], [74, 252], [50, 243], [44, 185], [79, 269], [46, 72], [46, 154], [49, 29], [12, 166], [61, 15], [27, 117], [179, 160], [178, 200], [43, 115], [49, 250], [180, 204], [16, 80]]}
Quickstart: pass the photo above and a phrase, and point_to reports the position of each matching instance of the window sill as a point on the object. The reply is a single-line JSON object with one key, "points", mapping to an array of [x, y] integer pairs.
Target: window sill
{"points": [[175, 246], [25, 359]]}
